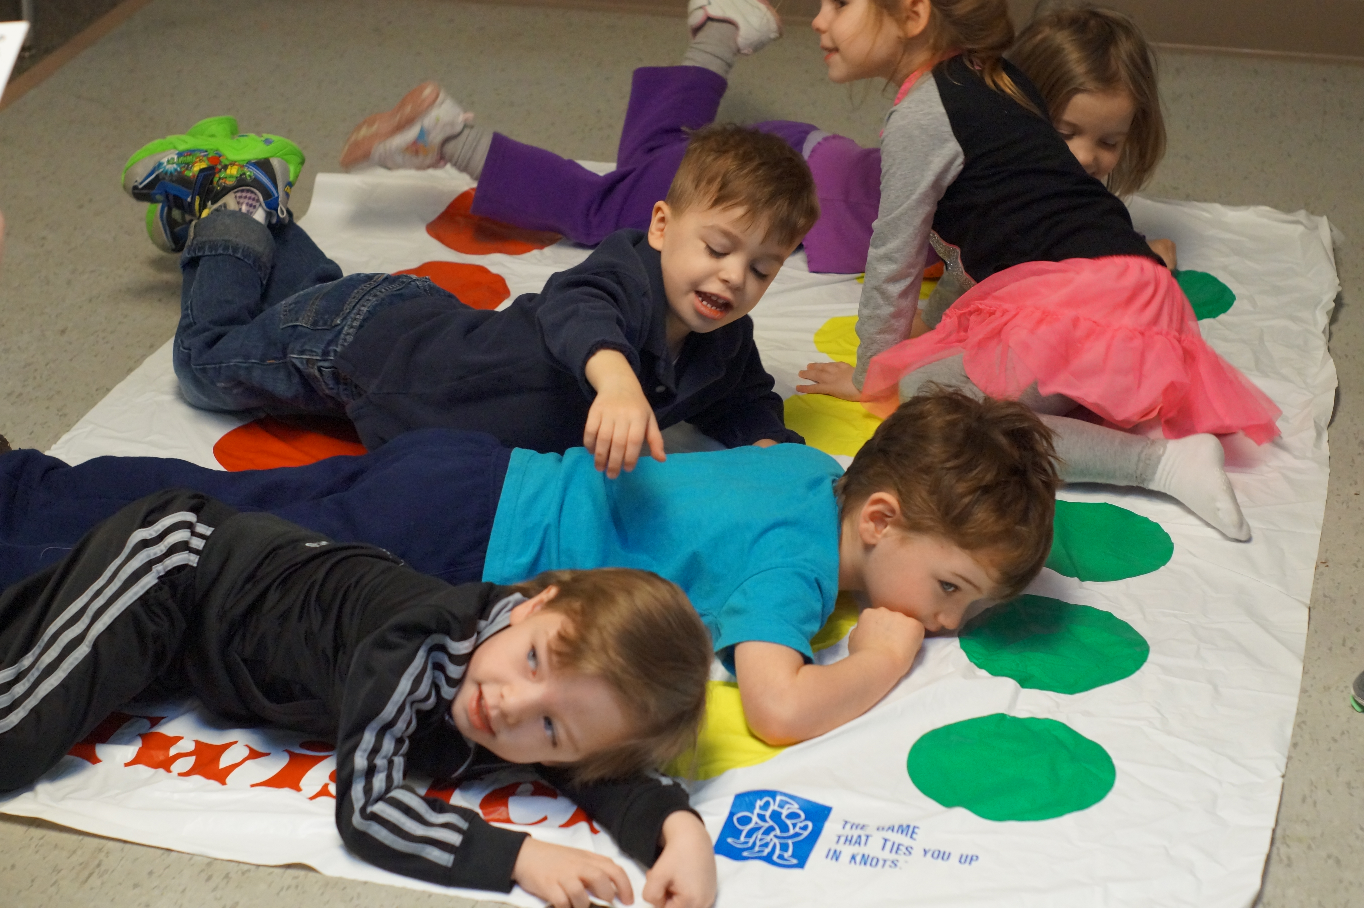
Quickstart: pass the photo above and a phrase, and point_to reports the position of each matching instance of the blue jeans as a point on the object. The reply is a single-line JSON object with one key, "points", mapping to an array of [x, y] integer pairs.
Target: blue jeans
{"points": [[263, 315]]}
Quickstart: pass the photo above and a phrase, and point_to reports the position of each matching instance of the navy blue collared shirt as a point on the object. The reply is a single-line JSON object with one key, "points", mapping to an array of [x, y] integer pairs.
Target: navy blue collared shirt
{"points": [[518, 373]]}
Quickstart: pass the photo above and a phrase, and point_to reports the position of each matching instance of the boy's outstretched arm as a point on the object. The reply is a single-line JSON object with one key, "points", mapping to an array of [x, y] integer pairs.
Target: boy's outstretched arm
{"points": [[787, 700], [620, 419], [685, 873]]}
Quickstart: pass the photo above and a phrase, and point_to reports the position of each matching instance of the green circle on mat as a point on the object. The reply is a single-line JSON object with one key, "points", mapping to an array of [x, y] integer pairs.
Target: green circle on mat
{"points": [[1011, 769], [1048, 644], [1097, 541], [1208, 295]]}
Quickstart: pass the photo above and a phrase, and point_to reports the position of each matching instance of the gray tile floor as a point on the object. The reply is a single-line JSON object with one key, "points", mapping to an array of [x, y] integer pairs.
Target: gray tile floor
{"points": [[84, 297]]}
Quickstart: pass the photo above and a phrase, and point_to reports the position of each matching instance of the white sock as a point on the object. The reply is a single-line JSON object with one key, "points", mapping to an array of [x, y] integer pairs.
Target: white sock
{"points": [[1191, 471]]}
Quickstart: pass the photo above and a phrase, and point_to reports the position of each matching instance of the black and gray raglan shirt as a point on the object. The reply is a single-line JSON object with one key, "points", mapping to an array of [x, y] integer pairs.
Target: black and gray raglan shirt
{"points": [[343, 640], [987, 182]]}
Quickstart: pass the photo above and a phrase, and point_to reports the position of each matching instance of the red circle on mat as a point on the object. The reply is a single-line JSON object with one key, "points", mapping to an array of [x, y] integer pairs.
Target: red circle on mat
{"points": [[272, 442], [475, 285], [466, 233]]}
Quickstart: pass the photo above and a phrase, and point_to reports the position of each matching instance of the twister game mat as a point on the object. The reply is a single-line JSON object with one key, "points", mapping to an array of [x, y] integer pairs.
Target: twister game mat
{"points": [[1115, 737]]}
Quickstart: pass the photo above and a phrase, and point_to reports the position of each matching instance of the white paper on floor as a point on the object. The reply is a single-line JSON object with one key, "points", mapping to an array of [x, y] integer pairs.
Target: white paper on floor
{"points": [[1197, 736]]}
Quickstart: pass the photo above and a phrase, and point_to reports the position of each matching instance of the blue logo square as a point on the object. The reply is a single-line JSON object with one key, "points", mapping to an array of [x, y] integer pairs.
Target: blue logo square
{"points": [[775, 827]]}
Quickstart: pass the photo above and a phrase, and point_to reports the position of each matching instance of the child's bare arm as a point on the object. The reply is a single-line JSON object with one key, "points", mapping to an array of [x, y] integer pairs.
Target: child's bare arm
{"points": [[787, 700], [685, 873], [1166, 249], [565, 876], [620, 419]]}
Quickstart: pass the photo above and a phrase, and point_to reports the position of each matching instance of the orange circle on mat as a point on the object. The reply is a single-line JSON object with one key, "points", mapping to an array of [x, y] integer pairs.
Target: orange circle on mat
{"points": [[475, 285], [275, 443], [466, 233]]}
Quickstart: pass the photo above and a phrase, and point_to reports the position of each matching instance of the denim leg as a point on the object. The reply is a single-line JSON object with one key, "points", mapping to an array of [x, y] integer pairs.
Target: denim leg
{"points": [[299, 264], [234, 352]]}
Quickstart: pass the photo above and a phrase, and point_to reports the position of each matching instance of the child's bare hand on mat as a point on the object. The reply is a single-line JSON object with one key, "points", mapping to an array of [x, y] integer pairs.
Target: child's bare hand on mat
{"points": [[834, 379], [881, 630], [1166, 249], [685, 873], [567, 877], [620, 420]]}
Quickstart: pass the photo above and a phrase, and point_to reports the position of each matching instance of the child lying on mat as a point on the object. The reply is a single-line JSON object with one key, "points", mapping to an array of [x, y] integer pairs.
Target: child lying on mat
{"points": [[949, 504], [590, 678], [652, 329]]}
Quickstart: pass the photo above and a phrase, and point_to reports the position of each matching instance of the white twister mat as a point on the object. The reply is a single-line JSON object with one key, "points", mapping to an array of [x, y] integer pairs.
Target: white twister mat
{"points": [[1196, 737]]}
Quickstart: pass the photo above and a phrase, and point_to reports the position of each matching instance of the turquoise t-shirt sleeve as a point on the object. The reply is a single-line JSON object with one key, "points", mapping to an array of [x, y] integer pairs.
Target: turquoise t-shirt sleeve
{"points": [[784, 606]]}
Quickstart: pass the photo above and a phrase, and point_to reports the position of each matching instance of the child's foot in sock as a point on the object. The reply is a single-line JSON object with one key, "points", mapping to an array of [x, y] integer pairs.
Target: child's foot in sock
{"points": [[756, 21], [1191, 471], [408, 137]]}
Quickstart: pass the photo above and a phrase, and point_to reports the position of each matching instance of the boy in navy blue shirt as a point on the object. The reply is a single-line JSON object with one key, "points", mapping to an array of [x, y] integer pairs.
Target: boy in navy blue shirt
{"points": [[650, 330]]}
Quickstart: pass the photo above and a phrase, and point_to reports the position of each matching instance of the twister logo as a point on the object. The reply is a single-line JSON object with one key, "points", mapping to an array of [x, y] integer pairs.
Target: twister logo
{"points": [[778, 828]]}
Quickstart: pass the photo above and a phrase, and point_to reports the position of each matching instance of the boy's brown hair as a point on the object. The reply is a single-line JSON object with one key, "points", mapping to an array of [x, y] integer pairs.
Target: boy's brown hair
{"points": [[641, 635], [728, 166], [979, 474], [1069, 49]]}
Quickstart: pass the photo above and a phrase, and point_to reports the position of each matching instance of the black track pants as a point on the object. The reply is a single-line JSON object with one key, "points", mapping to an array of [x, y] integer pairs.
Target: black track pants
{"points": [[89, 633]]}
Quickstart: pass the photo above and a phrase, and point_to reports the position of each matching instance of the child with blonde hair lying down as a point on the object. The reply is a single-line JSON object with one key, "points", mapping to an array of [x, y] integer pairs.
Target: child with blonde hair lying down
{"points": [[591, 679]]}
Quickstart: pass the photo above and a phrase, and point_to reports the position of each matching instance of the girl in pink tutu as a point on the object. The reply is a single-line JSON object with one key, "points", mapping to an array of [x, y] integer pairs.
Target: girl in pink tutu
{"points": [[1049, 294]]}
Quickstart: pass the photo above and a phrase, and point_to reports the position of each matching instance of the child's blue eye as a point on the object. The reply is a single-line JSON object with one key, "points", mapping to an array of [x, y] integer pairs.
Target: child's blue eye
{"points": [[531, 659], [948, 587], [550, 730]]}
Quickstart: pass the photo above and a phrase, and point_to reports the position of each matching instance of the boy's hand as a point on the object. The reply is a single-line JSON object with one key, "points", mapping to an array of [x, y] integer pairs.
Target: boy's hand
{"points": [[765, 443], [621, 419], [834, 379], [896, 635], [685, 873], [1166, 249], [566, 877]]}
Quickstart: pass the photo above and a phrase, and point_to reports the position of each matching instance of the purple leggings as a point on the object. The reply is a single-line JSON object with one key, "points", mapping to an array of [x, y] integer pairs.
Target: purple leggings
{"points": [[533, 188]]}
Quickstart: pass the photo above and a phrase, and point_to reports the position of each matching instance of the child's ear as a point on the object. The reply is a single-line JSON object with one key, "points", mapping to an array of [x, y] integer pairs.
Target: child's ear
{"points": [[659, 220], [531, 605], [878, 513], [916, 18]]}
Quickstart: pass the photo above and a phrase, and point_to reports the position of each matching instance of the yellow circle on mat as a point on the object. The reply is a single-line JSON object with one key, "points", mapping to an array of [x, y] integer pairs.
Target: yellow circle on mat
{"points": [[842, 619], [725, 740], [833, 425]]}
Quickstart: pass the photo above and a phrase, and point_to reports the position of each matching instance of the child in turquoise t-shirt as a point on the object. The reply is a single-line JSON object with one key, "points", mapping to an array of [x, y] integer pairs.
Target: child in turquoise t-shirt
{"points": [[949, 504]]}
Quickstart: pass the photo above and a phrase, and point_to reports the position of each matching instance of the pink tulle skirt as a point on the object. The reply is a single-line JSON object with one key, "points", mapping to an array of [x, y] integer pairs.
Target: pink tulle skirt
{"points": [[1116, 335]]}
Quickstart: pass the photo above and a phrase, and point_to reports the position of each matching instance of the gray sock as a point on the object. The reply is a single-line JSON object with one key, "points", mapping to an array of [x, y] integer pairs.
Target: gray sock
{"points": [[468, 149], [713, 47]]}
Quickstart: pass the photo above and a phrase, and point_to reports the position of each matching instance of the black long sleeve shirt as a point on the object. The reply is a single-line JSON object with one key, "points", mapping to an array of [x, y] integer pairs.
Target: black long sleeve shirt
{"points": [[518, 373], [345, 641]]}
